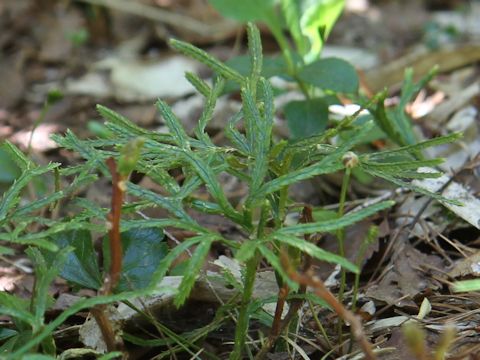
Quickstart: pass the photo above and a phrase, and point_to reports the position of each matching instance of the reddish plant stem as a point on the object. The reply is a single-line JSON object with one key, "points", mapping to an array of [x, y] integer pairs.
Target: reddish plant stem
{"points": [[114, 232], [308, 279], [100, 312]]}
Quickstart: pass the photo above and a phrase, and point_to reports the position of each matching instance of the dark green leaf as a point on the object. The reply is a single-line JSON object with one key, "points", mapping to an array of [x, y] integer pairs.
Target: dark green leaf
{"points": [[331, 74], [81, 266], [246, 10], [143, 250], [306, 117]]}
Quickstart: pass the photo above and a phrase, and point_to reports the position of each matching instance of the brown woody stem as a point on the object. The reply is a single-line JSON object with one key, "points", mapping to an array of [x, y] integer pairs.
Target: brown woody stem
{"points": [[308, 279]]}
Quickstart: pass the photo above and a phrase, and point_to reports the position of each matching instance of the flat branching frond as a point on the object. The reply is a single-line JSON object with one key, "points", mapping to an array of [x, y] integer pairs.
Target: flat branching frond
{"points": [[162, 223], [208, 60], [44, 276], [161, 176], [327, 165], [22, 161], [236, 137], [336, 224], [258, 134], [122, 121], [88, 152], [314, 251], [38, 238], [176, 129], [77, 183], [412, 149], [206, 207], [171, 205], [201, 86], [207, 112], [175, 253], [12, 196], [274, 260], [208, 176], [399, 166], [256, 54], [194, 266], [412, 187]]}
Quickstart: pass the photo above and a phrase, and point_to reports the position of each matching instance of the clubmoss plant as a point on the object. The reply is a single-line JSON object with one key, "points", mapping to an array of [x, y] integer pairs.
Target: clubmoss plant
{"points": [[268, 166]]}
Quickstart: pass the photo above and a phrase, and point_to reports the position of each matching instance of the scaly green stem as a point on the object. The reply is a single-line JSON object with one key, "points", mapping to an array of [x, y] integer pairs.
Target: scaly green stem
{"points": [[341, 242], [341, 233], [241, 330]]}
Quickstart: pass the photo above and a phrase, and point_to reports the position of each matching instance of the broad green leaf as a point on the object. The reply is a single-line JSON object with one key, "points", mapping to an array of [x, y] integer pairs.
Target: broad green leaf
{"points": [[292, 11], [332, 74], [193, 269], [318, 18], [246, 10], [314, 251], [143, 250], [81, 266], [335, 224], [306, 117]]}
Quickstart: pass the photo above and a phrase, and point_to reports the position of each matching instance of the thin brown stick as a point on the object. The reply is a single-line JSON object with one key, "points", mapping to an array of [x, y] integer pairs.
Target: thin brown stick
{"points": [[308, 279], [99, 312]]}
